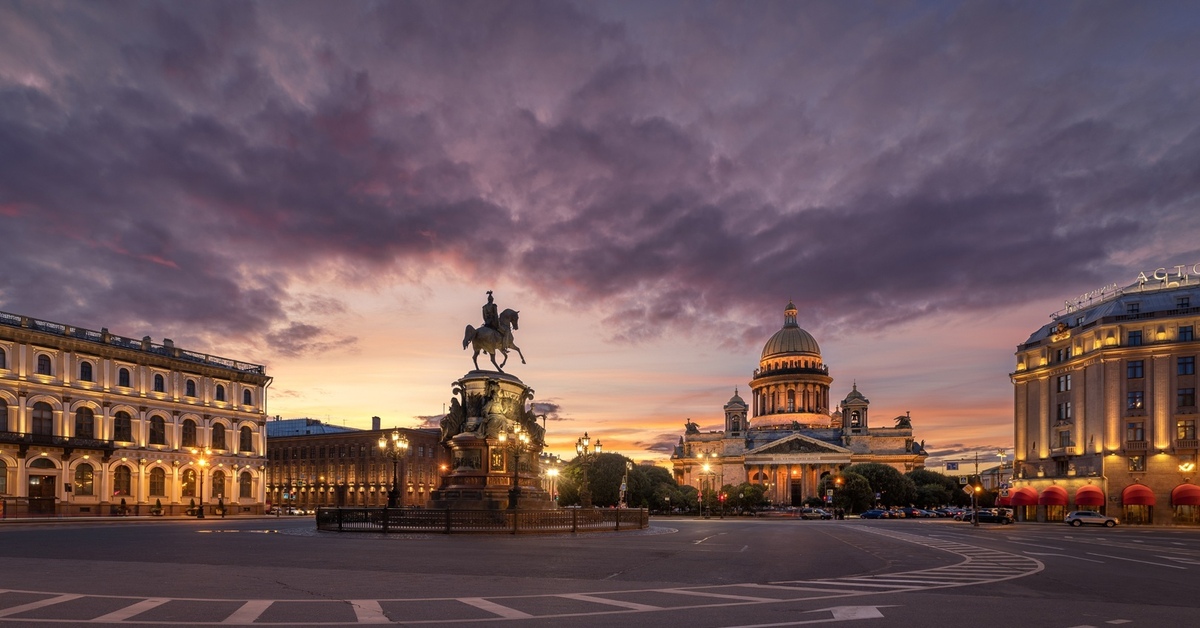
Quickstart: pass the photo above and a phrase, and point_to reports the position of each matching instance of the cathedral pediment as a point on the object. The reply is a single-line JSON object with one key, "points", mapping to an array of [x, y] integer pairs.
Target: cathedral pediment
{"points": [[798, 444]]}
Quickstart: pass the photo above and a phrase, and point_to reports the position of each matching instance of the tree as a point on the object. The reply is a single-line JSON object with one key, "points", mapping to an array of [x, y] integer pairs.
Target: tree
{"points": [[854, 494], [934, 489], [893, 487]]}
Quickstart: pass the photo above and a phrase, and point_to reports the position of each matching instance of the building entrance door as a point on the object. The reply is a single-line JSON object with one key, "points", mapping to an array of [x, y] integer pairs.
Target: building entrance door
{"points": [[41, 494], [797, 492]]}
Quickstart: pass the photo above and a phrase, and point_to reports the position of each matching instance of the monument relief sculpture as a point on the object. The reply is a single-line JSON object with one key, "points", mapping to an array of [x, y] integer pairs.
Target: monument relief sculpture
{"points": [[495, 335]]}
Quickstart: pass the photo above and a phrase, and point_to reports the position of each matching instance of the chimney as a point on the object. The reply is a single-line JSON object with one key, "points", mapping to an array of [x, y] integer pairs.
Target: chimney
{"points": [[375, 423]]}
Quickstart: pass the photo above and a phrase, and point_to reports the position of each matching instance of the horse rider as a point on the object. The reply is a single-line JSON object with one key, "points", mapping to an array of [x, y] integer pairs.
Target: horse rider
{"points": [[491, 317]]}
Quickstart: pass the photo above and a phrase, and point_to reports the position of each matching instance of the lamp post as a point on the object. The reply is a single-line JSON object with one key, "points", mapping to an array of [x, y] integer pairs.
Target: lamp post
{"points": [[706, 476], [581, 448], [552, 472], [515, 440], [394, 448], [201, 462], [625, 485]]}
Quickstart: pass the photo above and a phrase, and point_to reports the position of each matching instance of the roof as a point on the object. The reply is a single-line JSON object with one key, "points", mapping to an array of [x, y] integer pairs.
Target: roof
{"points": [[303, 427], [1152, 302], [791, 339]]}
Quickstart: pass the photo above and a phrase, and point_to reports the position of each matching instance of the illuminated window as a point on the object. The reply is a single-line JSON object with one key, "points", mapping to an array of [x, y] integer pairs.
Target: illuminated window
{"points": [[122, 481], [1186, 365], [1135, 431], [1134, 369], [1185, 429], [1135, 338], [187, 484], [123, 378], [1135, 400], [1137, 463], [84, 476]]}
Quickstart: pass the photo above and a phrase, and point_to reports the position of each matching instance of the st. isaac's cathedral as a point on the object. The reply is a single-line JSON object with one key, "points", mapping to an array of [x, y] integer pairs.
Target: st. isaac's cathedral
{"points": [[788, 436]]}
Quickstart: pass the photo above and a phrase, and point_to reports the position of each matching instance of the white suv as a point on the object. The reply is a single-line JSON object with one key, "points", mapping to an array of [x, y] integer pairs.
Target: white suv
{"points": [[1080, 517]]}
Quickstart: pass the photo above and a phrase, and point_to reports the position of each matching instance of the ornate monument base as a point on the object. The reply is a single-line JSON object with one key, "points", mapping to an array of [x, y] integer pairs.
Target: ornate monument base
{"points": [[491, 467]]}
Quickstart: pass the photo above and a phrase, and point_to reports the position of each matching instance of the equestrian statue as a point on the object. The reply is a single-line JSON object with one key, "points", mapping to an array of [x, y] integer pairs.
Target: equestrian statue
{"points": [[495, 335]]}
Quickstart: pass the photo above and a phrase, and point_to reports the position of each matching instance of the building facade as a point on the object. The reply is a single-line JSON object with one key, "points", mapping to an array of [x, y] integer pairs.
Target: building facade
{"points": [[94, 423], [1105, 405], [786, 438], [313, 464]]}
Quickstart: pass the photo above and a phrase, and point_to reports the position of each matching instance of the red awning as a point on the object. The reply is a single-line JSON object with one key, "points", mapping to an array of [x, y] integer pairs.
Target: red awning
{"points": [[1024, 496], [1004, 500], [1053, 496], [1089, 496], [1137, 495], [1186, 495]]}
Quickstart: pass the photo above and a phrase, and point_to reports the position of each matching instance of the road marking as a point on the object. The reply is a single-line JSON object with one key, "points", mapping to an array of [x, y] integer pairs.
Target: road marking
{"points": [[838, 613], [1036, 545], [369, 612], [725, 596], [603, 600], [492, 607], [39, 604], [1182, 560], [130, 611], [1063, 556], [249, 612], [1134, 560]]}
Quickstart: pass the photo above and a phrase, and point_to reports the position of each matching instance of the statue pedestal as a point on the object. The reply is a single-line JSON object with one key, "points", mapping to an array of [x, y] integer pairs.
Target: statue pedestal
{"points": [[482, 468]]}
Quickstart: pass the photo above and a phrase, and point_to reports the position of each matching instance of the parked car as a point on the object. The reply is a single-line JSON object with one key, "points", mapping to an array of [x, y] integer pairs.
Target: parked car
{"points": [[916, 513], [815, 513], [1081, 517], [874, 514], [992, 515]]}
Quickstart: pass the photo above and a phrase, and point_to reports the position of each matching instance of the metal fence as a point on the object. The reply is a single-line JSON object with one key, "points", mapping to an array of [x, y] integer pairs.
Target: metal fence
{"points": [[448, 521]]}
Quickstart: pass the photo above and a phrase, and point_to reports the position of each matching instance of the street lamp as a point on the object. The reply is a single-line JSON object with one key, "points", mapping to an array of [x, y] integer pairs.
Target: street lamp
{"points": [[201, 462], [581, 448], [706, 477], [625, 485], [394, 448], [553, 473], [516, 440]]}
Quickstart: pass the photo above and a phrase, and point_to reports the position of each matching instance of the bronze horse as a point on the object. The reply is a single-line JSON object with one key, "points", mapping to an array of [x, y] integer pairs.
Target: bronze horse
{"points": [[490, 341]]}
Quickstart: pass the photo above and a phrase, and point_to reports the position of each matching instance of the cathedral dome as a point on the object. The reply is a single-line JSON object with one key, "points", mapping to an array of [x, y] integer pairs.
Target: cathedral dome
{"points": [[791, 339]]}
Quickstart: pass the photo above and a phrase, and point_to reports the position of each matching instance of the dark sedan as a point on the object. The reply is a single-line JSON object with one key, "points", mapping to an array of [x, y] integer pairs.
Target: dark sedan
{"points": [[875, 514]]}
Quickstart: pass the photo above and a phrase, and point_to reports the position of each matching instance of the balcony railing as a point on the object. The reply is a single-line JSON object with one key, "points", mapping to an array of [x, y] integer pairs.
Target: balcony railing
{"points": [[1187, 443], [1068, 450], [1137, 445], [22, 438]]}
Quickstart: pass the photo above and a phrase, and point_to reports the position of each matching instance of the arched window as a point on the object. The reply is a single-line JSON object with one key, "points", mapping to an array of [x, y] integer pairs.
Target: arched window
{"points": [[3, 359], [247, 399], [3, 477], [160, 385], [123, 378], [122, 481], [3, 418], [220, 392], [245, 485], [791, 401], [85, 371], [188, 435], [85, 423], [158, 482], [43, 365], [189, 388], [246, 441], [218, 436], [43, 419], [84, 475], [123, 427], [218, 484], [187, 483], [158, 430]]}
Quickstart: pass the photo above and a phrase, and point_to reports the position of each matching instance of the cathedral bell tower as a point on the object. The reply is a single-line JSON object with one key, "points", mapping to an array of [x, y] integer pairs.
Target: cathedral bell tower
{"points": [[736, 422], [854, 412]]}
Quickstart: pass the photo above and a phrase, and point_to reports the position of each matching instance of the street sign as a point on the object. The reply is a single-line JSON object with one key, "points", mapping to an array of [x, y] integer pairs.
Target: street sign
{"points": [[968, 490], [829, 492], [962, 480], [952, 466]]}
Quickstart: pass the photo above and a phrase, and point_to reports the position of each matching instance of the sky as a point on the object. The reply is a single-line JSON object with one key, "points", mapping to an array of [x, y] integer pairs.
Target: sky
{"points": [[330, 188]]}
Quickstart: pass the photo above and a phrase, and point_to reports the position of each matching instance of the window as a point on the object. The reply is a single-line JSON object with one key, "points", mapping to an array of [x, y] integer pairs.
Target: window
{"points": [[85, 371], [85, 423], [122, 481], [1183, 302], [3, 477], [1185, 334], [1064, 383], [188, 434], [158, 482], [189, 388], [246, 440], [3, 359], [218, 436], [1133, 308], [1135, 431], [1134, 369], [43, 365], [1187, 397], [1186, 365], [218, 484], [1135, 339], [43, 419], [791, 401], [247, 400], [1062, 355], [187, 483], [1135, 400], [245, 485], [1064, 438], [158, 430], [220, 392], [1064, 411], [123, 427], [160, 384], [1185, 429], [84, 480], [123, 378], [1137, 463], [3, 418]]}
